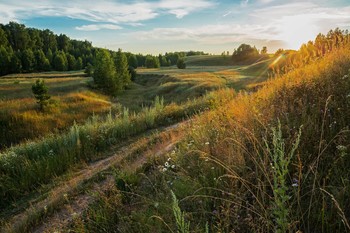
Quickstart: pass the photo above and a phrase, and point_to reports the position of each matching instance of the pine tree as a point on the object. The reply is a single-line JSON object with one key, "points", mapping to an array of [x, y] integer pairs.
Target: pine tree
{"points": [[104, 72], [123, 75], [40, 92]]}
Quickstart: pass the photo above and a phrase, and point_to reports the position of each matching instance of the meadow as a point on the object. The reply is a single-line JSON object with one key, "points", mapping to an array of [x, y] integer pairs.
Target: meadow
{"points": [[74, 100], [272, 161], [271, 156]]}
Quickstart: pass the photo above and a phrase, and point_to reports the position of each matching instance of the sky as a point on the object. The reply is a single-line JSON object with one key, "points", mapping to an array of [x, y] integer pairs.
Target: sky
{"points": [[159, 26]]}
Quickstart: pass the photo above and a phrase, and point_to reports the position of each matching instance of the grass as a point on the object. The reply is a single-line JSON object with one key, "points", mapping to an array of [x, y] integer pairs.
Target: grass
{"points": [[227, 176], [179, 85], [72, 101], [27, 166]]}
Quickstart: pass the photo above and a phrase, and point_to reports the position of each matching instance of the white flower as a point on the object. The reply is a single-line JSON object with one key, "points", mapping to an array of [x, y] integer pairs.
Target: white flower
{"points": [[207, 143], [166, 164], [173, 166], [164, 169]]}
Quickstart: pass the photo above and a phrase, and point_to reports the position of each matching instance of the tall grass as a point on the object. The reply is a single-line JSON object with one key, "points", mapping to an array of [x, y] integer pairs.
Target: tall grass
{"points": [[237, 175], [25, 167]]}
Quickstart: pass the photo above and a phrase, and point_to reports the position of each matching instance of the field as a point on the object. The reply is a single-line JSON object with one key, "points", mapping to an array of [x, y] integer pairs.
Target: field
{"points": [[228, 150], [74, 101], [178, 85]]}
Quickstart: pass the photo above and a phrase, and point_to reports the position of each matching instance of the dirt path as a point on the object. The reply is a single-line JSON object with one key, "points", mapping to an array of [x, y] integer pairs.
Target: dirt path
{"points": [[70, 199]]}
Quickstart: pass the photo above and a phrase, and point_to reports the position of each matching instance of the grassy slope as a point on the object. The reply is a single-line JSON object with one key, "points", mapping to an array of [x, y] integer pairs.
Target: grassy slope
{"points": [[225, 174], [71, 101], [178, 85]]}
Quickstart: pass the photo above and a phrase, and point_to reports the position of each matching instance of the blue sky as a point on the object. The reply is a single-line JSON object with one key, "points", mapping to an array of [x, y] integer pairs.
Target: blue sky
{"points": [[158, 26]]}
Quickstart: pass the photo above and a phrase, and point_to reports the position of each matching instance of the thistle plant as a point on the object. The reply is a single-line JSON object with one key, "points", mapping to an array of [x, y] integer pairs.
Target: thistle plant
{"points": [[280, 162], [182, 225]]}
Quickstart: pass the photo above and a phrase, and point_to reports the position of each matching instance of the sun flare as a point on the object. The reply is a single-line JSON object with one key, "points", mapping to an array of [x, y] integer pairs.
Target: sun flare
{"points": [[296, 30]]}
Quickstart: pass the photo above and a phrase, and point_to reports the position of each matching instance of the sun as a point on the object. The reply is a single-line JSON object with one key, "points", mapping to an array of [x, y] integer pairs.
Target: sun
{"points": [[296, 30]]}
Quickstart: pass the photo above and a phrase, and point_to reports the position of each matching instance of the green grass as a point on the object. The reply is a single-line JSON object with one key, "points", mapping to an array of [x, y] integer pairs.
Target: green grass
{"points": [[245, 167]]}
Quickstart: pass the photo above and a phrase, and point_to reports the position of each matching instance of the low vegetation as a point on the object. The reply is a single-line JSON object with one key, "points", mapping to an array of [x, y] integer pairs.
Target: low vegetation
{"points": [[273, 161]]}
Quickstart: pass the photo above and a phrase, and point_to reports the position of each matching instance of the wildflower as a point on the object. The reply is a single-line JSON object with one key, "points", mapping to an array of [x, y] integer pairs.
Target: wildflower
{"points": [[169, 159], [341, 147], [207, 143], [173, 166], [212, 168], [173, 152], [166, 164], [165, 169], [206, 159], [156, 204], [295, 182]]}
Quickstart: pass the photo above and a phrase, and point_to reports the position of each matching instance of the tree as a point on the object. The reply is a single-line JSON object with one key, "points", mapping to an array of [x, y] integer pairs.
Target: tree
{"points": [[5, 60], [264, 50], [42, 63], [60, 61], [105, 72], [79, 64], [244, 52], [40, 92], [123, 75], [181, 63], [132, 61], [132, 73], [28, 60], [89, 70], [152, 62], [71, 62]]}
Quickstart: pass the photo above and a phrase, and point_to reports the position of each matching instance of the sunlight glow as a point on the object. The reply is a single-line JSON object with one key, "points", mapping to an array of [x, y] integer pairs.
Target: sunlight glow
{"points": [[298, 29]]}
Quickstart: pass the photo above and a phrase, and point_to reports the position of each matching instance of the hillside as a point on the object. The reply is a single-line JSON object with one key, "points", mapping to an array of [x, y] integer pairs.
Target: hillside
{"points": [[256, 147], [275, 160]]}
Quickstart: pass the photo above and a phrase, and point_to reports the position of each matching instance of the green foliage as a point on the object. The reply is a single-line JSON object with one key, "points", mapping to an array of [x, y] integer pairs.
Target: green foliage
{"points": [[42, 63], [60, 61], [244, 52], [105, 75], [89, 70], [123, 75], [28, 60], [132, 73], [152, 62], [280, 170], [181, 63], [132, 61], [40, 92], [182, 225]]}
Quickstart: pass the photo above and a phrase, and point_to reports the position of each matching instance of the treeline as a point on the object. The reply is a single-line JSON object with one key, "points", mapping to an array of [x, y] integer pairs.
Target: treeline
{"points": [[28, 49], [168, 59], [25, 49], [246, 52], [288, 60]]}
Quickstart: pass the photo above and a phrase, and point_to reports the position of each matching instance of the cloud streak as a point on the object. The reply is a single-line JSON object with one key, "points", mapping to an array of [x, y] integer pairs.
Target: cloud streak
{"points": [[105, 11], [97, 27]]}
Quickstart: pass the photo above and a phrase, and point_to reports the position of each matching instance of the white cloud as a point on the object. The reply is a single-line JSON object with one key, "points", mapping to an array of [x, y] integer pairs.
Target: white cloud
{"points": [[105, 11], [96, 27]]}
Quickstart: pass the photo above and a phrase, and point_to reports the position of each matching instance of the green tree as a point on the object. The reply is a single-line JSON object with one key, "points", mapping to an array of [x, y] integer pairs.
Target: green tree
{"points": [[40, 92], [5, 60], [42, 63], [28, 60], [105, 72], [152, 62], [89, 70], [71, 62], [123, 75], [264, 50], [79, 64], [132, 61], [60, 62], [181, 63]]}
